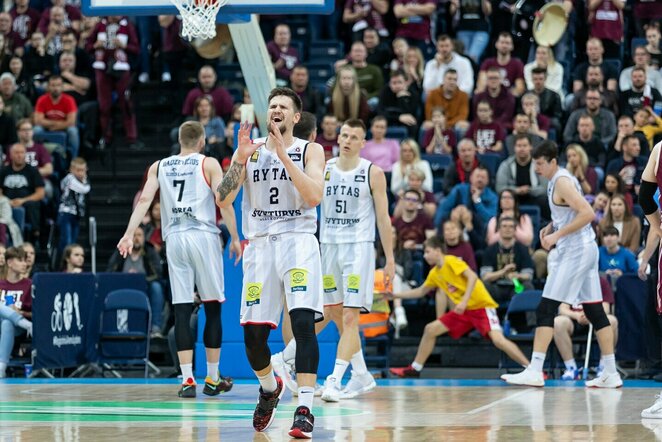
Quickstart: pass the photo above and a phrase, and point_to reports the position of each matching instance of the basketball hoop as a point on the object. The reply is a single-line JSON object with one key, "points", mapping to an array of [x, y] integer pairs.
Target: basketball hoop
{"points": [[199, 17]]}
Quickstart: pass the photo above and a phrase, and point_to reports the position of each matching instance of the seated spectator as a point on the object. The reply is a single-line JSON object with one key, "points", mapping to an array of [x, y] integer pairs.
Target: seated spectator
{"points": [[379, 52], [17, 94], [24, 22], [30, 255], [24, 187], [614, 185], [460, 170], [214, 129], [144, 259], [629, 166], [595, 80], [415, 182], [454, 243], [399, 104], [521, 126], [414, 67], [453, 276], [604, 121], [11, 40], [545, 60], [73, 259], [614, 259], [509, 207], [653, 45], [311, 98], [595, 52], [369, 76], [625, 128], [7, 128], [400, 47], [74, 187], [71, 16], [283, 56], [639, 95], [83, 62], [549, 101], [474, 26], [36, 154], [578, 166], [452, 100], [222, 99], [54, 23], [628, 226], [328, 139], [593, 147], [410, 158], [511, 69], [56, 111], [438, 139], [487, 133], [504, 262], [381, 151], [8, 225], [651, 76], [37, 62], [531, 108], [518, 172], [347, 100], [15, 304], [500, 99], [473, 204], [444, 59], [75, 85], [153, 229], [599, 206], [649, 123]]}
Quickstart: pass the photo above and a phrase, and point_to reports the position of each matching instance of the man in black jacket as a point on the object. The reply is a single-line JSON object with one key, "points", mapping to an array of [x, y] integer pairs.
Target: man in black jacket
{"points": [[398, 104]]}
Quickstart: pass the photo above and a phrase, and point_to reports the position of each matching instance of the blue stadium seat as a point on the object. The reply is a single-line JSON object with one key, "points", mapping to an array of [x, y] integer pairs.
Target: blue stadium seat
{"points": [[320, 72], [631, 305], [491, 161], [637, 41], [229, 73], [438, 163], [397, 133], [616, 63], [534, 213], [325, 50]]}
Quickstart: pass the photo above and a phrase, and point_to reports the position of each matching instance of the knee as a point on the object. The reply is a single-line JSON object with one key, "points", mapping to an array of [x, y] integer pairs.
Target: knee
{"points": [[613, 321], [303, 324], [6, 326], [562, 324], [429, 329], [546, 312], [350, 318]]}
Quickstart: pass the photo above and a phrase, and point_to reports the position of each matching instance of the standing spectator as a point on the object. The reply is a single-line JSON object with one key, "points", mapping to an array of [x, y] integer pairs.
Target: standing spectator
{"points": [[414, 22], [381, 151], [283, 56], [112, 36], [347, 100], [640, 94], [73, 259], [509, 207], [630, 166], [222, 99], [439, 139], [24, 187], [653, 45], [545, 60], [364, 14], [24, 21], [647, 122], [445, 58], [410, 158], [311, 99], [578, 166], [510, 69], [460, 170], [628, 226], [488, 134], [399, 104], [614, 259], [642, 60], [605, 18], [595, 52], [603, 119], [74, 187], [453, 101], [521, 126], [474, 25], [550, 101], [499, 98], [328, 139], [56, 111], [174, 52]]}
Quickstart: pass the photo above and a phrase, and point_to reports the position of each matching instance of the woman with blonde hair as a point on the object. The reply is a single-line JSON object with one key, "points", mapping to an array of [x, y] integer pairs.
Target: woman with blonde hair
{"points": [[629, 227], [545, 60], [347, 101], [414, 67], [410, 158], [578, 166]]}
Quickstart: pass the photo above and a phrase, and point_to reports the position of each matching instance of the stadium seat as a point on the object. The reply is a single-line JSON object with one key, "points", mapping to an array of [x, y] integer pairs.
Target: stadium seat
{"points": [[229, 73], [381, 357], [616, 63], [320, 72], [438, 163], [631, 305], [325, 50], [491, 161], [637, 41], [397, 133]]}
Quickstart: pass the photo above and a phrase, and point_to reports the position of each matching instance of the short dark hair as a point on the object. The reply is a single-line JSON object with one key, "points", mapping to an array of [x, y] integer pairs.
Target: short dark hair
{"points": [[522, 137], [505, 218], [547, 150], [450, 71], [398, 73], [287, 92], [638, 68], [15, 252], [539, 70], [414, 192], [355, 122], [378, 118], [505, 34], [610, 230], [626, 139], [481, 166], [54, 77], [441, 37], [306, 126], [435, 242]]}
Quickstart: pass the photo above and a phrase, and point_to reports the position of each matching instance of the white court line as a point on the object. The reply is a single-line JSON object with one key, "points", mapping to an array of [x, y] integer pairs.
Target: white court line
{"points": [[492, 404]]}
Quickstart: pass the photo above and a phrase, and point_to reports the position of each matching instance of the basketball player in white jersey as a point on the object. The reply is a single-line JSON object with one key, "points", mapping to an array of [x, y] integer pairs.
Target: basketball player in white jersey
{"points": [[283, 181], [194, 252], [575, 278], [354, 200]]}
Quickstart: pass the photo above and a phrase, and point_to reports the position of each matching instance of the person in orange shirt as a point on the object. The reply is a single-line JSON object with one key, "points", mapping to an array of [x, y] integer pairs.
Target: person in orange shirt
{"points": [[474, 308], [449, 97]]}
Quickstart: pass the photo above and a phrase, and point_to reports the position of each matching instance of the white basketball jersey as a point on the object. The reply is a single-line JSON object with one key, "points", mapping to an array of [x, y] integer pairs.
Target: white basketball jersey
{"points": [[564, 215], [271, 203], [187, 201], [348, 210]]}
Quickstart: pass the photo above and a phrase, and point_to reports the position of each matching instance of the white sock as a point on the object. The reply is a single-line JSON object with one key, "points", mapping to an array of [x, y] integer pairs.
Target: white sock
{"points": [[570, 364], [609, 362], [537, 361], [358, 363], [339, 370], [187, 372], [290, 351], [306, 396], [416, 366], [268, 382], [212, 370]]}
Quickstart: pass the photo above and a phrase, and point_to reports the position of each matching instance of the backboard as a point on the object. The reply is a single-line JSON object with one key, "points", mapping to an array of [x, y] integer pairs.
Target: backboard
{"points": [[157, 7]]}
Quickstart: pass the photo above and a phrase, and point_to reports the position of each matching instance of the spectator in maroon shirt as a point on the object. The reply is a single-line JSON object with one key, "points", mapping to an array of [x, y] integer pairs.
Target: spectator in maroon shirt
{"points": [[56, 23], [24, 22], [500, 99], [328, 138], [283, 56], [511, 68], [361, 14], [646, 12], [488, 134], [11, 39], [414, 22], [36, 154], [222, 99], [605, 18], [415, 182], [456, 245], [71, 18]]}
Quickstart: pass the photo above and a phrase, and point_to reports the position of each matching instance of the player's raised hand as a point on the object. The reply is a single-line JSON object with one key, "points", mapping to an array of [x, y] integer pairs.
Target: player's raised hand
{"points": [[125, 246], [245, 146], [277, 139], [236, 250]]}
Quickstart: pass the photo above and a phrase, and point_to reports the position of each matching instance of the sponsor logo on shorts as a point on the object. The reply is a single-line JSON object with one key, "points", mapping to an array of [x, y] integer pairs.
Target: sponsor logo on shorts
{"points": [[329, 283], [253, 293], [298, 280], [353, 283]]}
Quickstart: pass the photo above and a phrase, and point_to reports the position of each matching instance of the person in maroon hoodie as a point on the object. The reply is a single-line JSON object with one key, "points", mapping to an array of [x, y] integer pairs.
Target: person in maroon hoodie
{"points": [[283, 55], [24, 21], [15, 304]]}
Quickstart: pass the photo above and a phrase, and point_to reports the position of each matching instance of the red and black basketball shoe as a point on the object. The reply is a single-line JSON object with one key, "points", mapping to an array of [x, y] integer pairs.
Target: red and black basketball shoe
{"points": [[405, 372], [302, 427], [265, 411]]}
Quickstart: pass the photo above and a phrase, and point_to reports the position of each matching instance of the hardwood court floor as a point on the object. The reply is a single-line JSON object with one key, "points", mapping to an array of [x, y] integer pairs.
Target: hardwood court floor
{"points": [[397, 411]]}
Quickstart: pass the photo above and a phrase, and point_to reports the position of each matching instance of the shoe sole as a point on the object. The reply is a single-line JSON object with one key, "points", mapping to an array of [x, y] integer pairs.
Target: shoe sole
{"points": [[368, 388], [330, 398], [185, 395], [273, 413], [605, 386], [656, 416], [524, 384], [298, 434]]}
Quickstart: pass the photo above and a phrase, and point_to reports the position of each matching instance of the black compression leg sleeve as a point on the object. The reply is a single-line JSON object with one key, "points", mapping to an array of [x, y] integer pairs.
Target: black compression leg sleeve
{"points": [[257, 349], [183, 335], [303, 329], [596, 315], [546, 312], [213, 335]]}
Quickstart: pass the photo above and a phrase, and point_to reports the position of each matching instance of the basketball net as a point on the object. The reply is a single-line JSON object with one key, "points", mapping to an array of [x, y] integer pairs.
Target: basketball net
{"points": [[199, 17]]}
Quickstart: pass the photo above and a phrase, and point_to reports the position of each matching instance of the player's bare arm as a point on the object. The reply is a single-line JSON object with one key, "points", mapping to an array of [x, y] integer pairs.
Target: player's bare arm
{"points": [[645, 196], [378, 187], [228, 189], [418, 292], [309, 182], [566, 193], [125, 246]]}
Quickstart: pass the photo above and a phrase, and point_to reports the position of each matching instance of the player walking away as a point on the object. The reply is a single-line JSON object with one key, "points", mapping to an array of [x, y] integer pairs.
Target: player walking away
{"points": [[651, 180], [354, 199], [195, 255], [576, 280], [283, 181]]}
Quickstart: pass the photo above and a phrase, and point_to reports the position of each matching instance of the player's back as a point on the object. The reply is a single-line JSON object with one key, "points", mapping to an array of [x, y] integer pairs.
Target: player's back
{"points": [[187, 201], [563, 215]]}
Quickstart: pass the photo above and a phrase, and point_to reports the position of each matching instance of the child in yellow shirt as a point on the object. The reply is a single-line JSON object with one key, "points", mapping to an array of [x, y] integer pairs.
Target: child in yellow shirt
{"points": [[642, 123]]}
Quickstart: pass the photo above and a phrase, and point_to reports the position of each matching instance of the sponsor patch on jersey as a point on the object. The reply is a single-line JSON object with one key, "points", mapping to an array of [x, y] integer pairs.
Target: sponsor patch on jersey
{"points": [[298, 280], [295, 156], [353, 283], [327, 177], [359, 178], [253, 293], [255, 156], [329, 284]]}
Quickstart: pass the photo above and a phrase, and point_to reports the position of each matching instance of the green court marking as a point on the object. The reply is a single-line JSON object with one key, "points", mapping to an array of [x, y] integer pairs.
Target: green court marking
{"points": [[110, 411]]}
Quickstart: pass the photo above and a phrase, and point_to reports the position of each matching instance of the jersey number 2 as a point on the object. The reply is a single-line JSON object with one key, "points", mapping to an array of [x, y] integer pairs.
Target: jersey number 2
{"points": [[176, 183], [273, 199]]}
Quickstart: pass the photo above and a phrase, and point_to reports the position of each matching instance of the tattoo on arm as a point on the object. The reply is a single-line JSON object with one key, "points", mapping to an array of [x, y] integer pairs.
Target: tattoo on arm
{"points": [[230, 180]]}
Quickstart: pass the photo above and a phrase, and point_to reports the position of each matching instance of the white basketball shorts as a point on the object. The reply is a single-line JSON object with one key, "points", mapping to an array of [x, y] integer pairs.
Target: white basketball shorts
{"points": [[573, 276], [349, 274]]}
